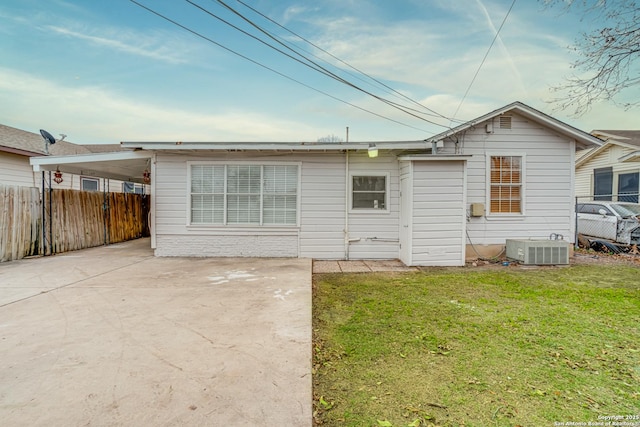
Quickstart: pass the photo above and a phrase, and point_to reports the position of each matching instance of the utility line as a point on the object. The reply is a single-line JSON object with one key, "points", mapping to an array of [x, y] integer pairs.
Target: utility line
{"points": [[269, 68], [484, 59], [306, 61], [434, 113]]}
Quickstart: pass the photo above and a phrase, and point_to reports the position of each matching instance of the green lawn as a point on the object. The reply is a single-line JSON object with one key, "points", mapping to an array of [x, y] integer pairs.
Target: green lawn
{"points": [[464, 347]]}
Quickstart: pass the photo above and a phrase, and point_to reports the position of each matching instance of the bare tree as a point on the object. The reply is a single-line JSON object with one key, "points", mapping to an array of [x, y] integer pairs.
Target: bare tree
{"points": [[608, 56], [330, 138]]}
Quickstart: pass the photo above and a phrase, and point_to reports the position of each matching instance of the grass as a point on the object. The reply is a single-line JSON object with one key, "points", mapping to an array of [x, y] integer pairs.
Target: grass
{"points": [[457, 347]]}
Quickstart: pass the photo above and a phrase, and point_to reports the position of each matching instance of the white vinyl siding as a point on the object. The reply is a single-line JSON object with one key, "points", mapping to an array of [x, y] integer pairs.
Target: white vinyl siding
{"points": [[437, 218], [239, 194], [322, 207], [607, 157], [547, 181], [16, 170]]}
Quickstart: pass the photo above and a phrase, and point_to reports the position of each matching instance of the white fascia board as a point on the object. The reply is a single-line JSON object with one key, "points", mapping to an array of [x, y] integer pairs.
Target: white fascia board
{"points": [[436, 157], [275, 146], [38, 162], [631, 157]]}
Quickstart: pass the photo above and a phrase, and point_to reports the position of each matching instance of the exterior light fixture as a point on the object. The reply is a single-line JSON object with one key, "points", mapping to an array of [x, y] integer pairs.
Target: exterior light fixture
{"points": [[57, 176], [146, 176], [373, 150]]}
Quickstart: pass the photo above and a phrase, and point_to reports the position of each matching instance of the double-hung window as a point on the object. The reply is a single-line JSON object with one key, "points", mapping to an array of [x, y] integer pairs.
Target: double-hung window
{"points": [[237, 194], [369, 192], [506, 185]]}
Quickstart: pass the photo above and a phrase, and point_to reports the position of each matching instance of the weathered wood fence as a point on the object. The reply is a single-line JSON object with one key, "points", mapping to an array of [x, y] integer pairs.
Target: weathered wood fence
{"points": [[20, 222], [73, 220]]}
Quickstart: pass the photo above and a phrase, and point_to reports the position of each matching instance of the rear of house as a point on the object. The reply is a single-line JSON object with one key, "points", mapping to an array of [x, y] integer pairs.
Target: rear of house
{"points": [[463, 193]]}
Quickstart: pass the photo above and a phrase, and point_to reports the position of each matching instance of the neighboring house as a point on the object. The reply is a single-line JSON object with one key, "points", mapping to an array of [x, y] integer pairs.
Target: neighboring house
{"points": [[18, 146], [505, 175], [611, 171]]}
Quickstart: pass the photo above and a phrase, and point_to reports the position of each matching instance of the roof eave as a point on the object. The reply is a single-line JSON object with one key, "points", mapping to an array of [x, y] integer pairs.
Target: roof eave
{"points": [[265, 146], [584, 139]]}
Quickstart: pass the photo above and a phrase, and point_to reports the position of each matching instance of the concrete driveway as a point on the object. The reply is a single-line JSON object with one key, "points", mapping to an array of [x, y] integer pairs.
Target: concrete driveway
{"points": [[113, 336]]}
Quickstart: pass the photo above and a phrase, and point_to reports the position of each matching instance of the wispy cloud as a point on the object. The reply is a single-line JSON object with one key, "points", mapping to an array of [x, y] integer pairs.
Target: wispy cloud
{"points": [[89, 113], [149, 46]]}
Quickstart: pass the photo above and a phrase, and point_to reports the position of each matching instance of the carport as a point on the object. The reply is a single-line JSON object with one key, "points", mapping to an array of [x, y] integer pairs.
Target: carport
{"points": [[114, 336], [127, 166]]}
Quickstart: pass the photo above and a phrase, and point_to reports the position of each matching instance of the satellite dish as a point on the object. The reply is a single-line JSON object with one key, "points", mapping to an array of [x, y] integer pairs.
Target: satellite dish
{"points": [[47, 136]]}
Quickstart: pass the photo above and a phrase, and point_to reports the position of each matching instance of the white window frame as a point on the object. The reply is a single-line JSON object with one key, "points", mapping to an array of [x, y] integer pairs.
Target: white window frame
{"points": [[225, 223], [523, 186], [387, 199], [84, 179]]}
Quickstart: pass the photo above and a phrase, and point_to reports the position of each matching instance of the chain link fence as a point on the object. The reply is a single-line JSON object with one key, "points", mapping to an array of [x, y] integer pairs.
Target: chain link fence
{"points": [[608, 219]]}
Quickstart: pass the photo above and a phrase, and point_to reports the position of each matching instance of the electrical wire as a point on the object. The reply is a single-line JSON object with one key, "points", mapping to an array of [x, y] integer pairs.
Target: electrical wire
{"points": [[434, 113], [267, 67], [305, 60], [484, 59]]}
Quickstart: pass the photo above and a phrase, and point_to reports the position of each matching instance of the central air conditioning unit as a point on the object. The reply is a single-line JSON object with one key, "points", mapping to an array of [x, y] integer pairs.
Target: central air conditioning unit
{"points": [[538, 252]]}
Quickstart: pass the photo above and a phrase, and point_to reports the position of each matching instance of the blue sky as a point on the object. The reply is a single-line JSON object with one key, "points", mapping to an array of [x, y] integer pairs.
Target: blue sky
{"points": [[110, 71]]}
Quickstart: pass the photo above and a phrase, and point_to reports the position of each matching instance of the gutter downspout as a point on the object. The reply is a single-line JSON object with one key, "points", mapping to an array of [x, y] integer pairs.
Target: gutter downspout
{"points": [[346, 206]]}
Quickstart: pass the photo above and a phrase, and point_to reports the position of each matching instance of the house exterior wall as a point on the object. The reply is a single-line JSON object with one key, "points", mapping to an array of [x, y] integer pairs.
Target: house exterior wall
{"points": [[323, 196], [608, 157], [375, 235], [16, 170], [548, 181], [438, 213]]}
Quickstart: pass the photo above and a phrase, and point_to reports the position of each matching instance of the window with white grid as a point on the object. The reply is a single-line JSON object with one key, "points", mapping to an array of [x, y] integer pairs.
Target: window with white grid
{"points": [[244, 194], [506, 184], [207, 194], [280, 198]]}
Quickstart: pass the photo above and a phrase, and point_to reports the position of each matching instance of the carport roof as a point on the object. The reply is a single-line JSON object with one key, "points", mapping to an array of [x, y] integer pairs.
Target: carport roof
{"points": [[121, 165]]}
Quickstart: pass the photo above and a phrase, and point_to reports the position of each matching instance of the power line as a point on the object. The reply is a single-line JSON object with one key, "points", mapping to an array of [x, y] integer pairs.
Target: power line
{"points": [[484, 59], [435, 113], [306, 61], [269, 68]]}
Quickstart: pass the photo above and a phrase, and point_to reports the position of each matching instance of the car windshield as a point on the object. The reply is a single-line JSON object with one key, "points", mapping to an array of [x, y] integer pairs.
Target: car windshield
{"points": [[625, 210]]}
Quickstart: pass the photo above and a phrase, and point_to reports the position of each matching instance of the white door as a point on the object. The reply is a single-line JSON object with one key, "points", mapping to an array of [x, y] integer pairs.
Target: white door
{"points": [[406, 213]]}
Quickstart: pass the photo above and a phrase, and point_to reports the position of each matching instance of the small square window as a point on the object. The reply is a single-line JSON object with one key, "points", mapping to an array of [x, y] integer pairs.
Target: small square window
{"points": [[369, 192], [90, 184]]}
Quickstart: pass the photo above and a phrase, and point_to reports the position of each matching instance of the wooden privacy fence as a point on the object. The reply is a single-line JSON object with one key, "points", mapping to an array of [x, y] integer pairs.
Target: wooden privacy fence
{"points": [[83, 219], [72, 220], [20, 222]]}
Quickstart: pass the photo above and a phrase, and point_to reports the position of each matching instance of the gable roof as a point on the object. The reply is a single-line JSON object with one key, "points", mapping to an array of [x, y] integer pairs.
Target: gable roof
{"points": [[624, 138], [630, 138], [583, 139]]}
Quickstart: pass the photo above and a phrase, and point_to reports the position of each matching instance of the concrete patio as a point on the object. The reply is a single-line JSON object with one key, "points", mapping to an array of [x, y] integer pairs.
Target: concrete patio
{"points": [[114, 336]]}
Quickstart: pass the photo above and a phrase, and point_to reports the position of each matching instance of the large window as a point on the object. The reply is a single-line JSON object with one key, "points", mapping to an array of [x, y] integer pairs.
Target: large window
{"points": [[369, 192], [506, 184], [244, 194]]}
